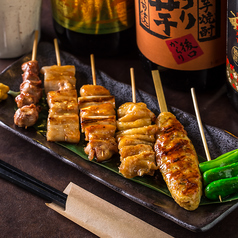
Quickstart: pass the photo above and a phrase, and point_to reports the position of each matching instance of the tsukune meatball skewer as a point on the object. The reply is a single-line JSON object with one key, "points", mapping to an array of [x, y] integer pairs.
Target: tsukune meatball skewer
{"points": [[176, 156]]}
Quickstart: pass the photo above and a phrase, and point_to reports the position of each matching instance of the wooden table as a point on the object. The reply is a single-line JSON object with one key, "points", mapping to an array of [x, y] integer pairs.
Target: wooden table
{"points": [[25, 215]]}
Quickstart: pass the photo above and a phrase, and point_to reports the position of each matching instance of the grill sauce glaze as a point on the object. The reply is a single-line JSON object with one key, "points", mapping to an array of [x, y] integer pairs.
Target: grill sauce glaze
{"points": [[178, 162]]}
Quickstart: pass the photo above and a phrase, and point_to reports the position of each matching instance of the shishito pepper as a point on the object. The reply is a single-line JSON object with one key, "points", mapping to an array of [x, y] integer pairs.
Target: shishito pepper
{"points": [[221, 188], [3, 91], [225, 159], [228, 171]]}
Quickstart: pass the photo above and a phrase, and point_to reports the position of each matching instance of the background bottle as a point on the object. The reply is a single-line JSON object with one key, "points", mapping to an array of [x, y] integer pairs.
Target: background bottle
{"points": [[186, 40], [232, 52], [101, 27]]}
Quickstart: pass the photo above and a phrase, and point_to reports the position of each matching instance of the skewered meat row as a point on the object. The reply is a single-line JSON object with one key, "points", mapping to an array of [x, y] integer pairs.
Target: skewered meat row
{"points": [[98, 121], [136, 137], [55, 75], [63, 118], [178, 162], [31, 92]]}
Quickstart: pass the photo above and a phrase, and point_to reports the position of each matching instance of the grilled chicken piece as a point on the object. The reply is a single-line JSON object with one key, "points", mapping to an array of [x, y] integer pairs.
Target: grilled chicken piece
{"points": [[25, 99], [101, 149], [31, 92], [105, 109], [138, 165], [56, 75], [125, 141], [63, 127], [98, 121], [133, 124], [95, 100], [131, 111], [136, 137], [29, 75], [63, 101], [93, 90], [101, 131], [178, 162], [32, 87], [145, 130], [130, 150], [31, 66], [26, 116], [149, 138]]}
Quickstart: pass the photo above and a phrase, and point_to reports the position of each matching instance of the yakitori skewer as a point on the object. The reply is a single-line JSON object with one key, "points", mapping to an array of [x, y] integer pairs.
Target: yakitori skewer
{"points": [[31, 92], [135, 137], [63, 118], [204, 141], [175, 155], [98, 119]]}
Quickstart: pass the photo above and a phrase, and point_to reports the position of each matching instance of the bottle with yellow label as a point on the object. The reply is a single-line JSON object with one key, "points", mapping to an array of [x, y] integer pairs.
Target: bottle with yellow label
{"points": [[100, 27], [232, 52], [186, 40]]}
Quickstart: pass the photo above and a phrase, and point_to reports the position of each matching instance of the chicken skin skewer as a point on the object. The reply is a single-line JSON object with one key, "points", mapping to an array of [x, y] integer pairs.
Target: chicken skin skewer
{"points": [[136, 139]]}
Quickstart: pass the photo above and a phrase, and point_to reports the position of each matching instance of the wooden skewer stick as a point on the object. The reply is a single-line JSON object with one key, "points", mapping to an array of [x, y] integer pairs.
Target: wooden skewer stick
{"points": [[34, 49], [57, 52], [133, 87], [93, 69], [200, 124], [201, 127], [159, 91]]}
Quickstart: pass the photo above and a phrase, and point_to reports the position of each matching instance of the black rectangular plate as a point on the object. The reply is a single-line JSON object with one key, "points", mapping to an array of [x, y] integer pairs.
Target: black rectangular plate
{"points": [[219, 142]]}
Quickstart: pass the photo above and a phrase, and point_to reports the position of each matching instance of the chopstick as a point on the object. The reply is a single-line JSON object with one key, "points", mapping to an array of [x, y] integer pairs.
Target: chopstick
{"points": [[31, 184]]}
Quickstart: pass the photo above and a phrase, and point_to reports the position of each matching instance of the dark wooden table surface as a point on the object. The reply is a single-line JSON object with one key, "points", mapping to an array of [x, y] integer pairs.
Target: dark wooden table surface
{"points": [[25, 215]]}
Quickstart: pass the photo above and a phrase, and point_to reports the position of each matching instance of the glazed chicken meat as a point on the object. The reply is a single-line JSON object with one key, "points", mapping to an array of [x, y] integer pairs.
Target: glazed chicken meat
{"points": [[30, 93], [98, 121], [136, 138]]}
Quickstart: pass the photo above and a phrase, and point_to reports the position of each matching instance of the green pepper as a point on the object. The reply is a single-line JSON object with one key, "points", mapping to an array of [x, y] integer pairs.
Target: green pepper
{"points": [[228, 171], [224, 159], [222, 188]]}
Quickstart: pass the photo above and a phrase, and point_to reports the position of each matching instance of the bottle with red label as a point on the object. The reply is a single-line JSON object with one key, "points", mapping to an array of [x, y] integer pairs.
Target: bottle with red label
{"points": [[232, 52], [184, 39], [100, 27]]}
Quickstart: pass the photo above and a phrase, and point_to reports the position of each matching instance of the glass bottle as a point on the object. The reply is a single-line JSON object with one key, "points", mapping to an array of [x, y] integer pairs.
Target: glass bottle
{"points": [[185, 40], [100, 27], [232, 52]]}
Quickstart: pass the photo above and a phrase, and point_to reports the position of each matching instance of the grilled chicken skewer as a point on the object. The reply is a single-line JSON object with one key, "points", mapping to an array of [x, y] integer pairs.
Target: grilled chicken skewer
{"points": [[31, 92], [63, 118], [98, 120], [136, 137], [176, 156]]}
